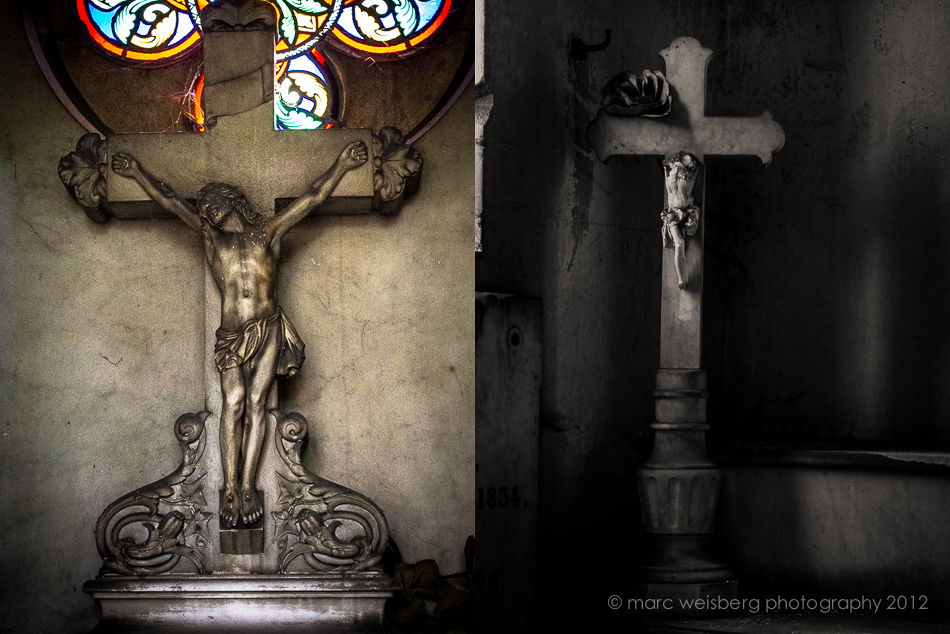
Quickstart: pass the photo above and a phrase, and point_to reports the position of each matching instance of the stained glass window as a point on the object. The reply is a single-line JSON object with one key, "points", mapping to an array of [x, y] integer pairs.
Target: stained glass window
{"points": [[141, 30], [389, 26], [308, 90], [306, 97]]}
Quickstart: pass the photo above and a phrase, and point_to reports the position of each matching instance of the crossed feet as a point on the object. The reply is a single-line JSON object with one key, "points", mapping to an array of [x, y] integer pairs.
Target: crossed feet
{"points": [[241, 505]]}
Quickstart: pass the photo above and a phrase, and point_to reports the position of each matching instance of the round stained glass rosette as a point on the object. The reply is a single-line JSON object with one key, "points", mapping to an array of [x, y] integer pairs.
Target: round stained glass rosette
{"points": [[144, 31], [389, 27], [156, 32]]}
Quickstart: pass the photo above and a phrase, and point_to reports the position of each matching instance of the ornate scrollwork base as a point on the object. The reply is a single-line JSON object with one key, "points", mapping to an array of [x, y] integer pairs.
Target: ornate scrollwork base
{"points": [[172, 511], [333, 528]]}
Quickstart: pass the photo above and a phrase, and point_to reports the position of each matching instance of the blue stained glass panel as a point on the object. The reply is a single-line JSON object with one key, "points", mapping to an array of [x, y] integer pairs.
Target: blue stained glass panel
{"points": [[305, 94], [389, 26], [185, 27], [103, 20]]}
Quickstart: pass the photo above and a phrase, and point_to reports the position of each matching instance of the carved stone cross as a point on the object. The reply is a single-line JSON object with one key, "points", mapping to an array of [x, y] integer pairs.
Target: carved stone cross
{"points": [[678, 484], [685, 129], [121, 176]]}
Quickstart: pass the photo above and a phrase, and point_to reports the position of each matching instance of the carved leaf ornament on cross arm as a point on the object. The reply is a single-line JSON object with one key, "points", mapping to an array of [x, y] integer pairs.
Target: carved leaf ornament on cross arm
{"points": [[397, 173]]}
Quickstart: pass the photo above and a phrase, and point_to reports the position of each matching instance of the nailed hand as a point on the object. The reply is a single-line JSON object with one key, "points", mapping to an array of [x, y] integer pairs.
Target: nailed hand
{"points": [[125, 164]]}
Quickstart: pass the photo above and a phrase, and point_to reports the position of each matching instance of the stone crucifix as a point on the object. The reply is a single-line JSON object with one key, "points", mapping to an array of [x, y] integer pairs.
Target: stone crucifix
{"points": [[148, 175], [679, 484], [255, 341]]}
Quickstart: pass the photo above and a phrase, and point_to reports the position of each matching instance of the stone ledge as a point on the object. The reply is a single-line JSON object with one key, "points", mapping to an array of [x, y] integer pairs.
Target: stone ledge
{"points": [[832, 458], [242, 603]]}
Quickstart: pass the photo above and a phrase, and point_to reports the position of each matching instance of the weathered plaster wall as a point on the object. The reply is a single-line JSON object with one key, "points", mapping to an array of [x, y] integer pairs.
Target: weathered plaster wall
{"points": [[559, 225], [834, 533], [101, 330], [387, 308], [825, 271], [835, 329]]}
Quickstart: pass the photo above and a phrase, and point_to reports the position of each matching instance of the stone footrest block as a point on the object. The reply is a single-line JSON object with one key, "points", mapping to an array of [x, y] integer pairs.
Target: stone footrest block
{"points": [[240, 604]]}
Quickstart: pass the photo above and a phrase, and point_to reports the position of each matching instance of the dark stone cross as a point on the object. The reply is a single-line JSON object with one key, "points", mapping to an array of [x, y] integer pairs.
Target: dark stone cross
{"points": [[679, 484]]}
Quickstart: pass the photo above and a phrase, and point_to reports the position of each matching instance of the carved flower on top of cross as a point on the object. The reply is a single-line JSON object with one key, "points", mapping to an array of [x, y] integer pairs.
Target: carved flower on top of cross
{"points": [[645, 96]]}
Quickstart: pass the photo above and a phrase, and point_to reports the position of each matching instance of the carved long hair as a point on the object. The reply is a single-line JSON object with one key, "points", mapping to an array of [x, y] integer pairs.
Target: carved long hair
{"points": [[216, 195]]}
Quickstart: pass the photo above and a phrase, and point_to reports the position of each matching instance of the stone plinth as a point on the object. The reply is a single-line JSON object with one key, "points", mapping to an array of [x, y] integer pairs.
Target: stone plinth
{"points": [[679, 494], [690, 599], [240, 604]]}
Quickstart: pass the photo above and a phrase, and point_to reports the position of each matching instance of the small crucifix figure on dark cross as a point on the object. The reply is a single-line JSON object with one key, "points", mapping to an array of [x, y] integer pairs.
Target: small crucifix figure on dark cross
{"points": [[680, 216], [256, 341]]}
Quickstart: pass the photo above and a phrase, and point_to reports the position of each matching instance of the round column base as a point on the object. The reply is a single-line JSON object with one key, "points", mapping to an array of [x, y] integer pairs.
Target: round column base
{"points": [[706, 600], [680, 559]]}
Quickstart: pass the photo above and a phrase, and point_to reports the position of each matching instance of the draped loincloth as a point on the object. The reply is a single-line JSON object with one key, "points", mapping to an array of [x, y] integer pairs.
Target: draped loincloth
{"points": [[234, 348], [687, 218]]}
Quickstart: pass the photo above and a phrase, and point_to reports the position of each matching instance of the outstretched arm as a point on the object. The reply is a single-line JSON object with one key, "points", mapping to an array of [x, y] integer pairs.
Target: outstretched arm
{"points": [[352, 156], [125, 165]]}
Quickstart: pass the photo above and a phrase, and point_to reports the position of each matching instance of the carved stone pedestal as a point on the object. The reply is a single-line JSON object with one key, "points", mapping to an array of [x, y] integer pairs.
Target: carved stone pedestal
{"points": [[679, 494], [166, 567], [241, 604]]}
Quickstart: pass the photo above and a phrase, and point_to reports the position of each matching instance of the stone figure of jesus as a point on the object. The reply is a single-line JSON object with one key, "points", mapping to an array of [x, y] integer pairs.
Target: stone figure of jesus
{"points": [[681, 216], [256, 342]]}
